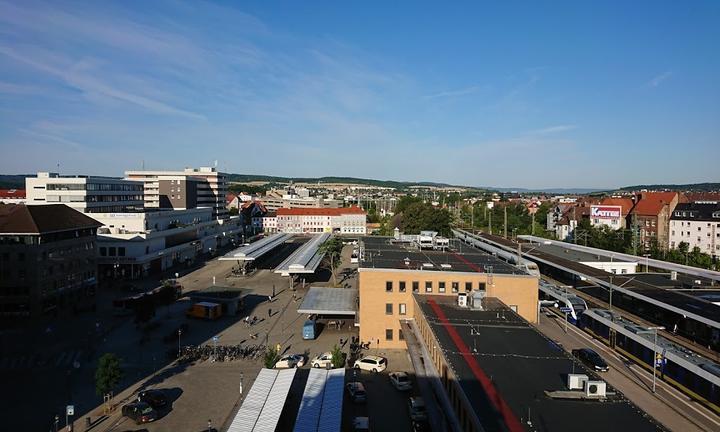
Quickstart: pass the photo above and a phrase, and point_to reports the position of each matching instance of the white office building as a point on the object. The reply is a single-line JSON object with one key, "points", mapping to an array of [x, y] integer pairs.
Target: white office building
{"points": [[190, 188], [345, 220], [86, 194], [698, 225], [132, 245]]}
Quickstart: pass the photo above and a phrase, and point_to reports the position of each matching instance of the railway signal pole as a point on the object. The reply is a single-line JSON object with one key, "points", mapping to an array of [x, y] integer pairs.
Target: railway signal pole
{"points": [[655, 359]]}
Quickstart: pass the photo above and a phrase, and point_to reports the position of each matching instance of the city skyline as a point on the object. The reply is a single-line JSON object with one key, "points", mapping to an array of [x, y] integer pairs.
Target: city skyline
{"points": [[527, 96]]}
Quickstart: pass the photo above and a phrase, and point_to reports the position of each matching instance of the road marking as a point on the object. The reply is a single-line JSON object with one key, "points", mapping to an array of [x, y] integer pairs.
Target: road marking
{"points": [[60, 359]]}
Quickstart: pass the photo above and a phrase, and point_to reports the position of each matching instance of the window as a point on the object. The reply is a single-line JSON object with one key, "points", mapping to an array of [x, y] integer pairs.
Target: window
{"points": [[401, 286], [441, 287], [428, 286], [388, 334], [416, 286], [468, 286], [121, 251], [401, 336], [455, 287], [388, 286], [103, 251], [388, 308], [481, 286], [402, 309]]}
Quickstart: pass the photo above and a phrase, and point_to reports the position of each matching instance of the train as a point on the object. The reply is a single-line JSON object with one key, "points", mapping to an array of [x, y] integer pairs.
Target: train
{"points": [[529, 266], [554, 296], [696, 376]]}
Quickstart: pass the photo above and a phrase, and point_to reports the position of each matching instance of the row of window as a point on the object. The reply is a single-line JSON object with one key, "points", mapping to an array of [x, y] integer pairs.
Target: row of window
{"points": [[709, 225], [402, 309], [455, 286], [389, 334], [112, 251]]}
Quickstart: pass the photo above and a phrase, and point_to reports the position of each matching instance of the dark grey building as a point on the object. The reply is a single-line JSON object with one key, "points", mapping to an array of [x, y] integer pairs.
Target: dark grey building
{"points": [[47, 260], [178, 194]]}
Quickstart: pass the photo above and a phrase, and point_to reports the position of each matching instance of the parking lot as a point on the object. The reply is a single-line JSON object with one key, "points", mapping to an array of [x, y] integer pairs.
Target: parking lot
{"points": [[204, 391]]}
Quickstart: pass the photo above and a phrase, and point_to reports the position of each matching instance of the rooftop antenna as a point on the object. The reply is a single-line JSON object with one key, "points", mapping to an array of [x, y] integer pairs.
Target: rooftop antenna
{"points": [[142, 165]]}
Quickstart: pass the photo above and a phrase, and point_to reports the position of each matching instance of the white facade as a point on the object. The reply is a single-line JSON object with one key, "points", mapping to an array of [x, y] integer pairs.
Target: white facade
{"points": [[266, 224], [607, 215], [616, 267], [211, 187], [12, 196], [341, 221], [703, 233], [139, 243], [85, 194]]}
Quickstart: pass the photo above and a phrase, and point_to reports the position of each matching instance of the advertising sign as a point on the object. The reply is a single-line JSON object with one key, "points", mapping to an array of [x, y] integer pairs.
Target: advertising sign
{"points": [[605, 212]]}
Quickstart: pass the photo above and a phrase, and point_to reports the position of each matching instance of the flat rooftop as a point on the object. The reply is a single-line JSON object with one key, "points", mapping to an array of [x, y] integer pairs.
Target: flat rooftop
{"points": [[518, 365], [556, 249], [387, 253]]}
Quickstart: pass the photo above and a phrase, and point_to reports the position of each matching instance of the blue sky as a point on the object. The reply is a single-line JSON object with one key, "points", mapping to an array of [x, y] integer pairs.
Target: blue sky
{"points": [[513, 94]]}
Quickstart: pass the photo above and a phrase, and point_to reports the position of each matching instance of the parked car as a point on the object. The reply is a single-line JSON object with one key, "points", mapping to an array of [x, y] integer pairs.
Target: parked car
{"points": [[290, 361], [154, 398], [592, 359], [322, 361], [356, 390], [416, 406], [400, 380], [361, 424], [371, 363], [140, 412]]}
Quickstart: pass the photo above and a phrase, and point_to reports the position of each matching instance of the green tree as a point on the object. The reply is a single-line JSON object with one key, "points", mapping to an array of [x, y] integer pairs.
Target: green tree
{"points": [[337, 357], [271, 357], [332, 249], [108, 374]]}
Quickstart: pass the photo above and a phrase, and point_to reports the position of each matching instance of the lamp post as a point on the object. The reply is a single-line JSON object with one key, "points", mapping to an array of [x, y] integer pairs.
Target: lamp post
{"points": [[179, 333], [655, 330], [241, 383], [647, 262]]}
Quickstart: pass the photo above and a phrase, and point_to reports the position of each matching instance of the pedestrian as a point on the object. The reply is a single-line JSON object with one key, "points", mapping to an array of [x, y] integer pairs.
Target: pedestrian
{"points": [[270, 299], [269, 312], [277, 348], [273, 291], [294, 297]]}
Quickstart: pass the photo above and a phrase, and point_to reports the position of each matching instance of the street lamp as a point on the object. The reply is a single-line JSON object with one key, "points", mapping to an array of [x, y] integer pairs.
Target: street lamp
{"points": [[179, 333], [647, 262], [655, 330], [241, 383]]}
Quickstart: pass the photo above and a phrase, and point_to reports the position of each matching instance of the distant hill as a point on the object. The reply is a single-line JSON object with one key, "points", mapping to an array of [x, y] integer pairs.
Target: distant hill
{"points": [[246, 178], [693, 187], [558, 191]]}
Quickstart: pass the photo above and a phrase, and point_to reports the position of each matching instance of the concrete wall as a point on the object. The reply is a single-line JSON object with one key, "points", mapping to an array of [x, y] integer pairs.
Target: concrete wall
{"points": [[519, 292]]}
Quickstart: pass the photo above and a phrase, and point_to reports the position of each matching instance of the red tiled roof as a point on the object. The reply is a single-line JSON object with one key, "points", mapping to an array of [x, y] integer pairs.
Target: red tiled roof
{"points": [[625, 203], [651, 203], [319, 211], [702, 196], [12, 193], [230, 197]]}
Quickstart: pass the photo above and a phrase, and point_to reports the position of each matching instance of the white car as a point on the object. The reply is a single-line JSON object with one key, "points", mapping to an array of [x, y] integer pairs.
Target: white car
{"points": [[322, 361], [290, 361], [371, 363], [400, 380]]}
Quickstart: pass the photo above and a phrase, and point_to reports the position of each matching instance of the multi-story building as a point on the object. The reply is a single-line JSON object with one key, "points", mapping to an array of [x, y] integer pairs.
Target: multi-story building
{"points": [[12, 196], [611, 212], [273, 202], [345, 220], [86, 194], [391, 273], [698, 225], [190, 188], [651, 217], [133, 245], [47, 260]]}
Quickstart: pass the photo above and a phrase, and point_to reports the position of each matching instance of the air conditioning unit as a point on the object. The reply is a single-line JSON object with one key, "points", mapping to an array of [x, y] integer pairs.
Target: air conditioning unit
{"points": [[595, 389], [476, 299], [576, 381], [462, 300]]}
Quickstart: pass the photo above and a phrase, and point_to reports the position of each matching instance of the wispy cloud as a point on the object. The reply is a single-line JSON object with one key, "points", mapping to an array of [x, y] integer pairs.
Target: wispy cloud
{"points": [[553, 129], [19, 89], [454, 93], [77, 75], [659, 79]]}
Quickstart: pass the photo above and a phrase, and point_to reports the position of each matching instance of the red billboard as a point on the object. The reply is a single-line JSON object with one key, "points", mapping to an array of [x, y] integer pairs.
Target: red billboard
{"points": [[605, 212]]}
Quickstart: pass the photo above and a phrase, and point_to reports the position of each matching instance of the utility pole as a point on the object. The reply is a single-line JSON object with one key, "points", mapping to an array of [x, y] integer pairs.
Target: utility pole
{"points": [[505, 217], [532, 227], [472, 215], [655, 359], [490, 222]]}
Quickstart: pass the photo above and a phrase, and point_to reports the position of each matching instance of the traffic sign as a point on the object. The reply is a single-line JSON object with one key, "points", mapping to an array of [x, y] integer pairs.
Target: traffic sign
{"points": [[565, 309], [70, 410]]}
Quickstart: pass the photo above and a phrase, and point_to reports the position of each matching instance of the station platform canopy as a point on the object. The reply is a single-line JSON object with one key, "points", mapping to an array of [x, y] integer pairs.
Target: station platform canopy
{"points": [[329, 301], [257, 249], [321, 405], [306, 258], [261, 410]]}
